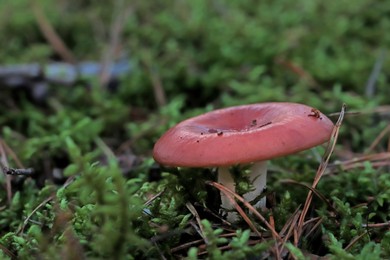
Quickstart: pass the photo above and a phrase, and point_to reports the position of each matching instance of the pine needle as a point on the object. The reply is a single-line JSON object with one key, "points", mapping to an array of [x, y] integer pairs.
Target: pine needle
{"points": [[320, 172]]}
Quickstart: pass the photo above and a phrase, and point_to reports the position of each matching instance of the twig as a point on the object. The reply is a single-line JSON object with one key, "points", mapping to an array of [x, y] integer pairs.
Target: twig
{"points": [[316, 192], [376, 160], [12, 171], [319, 221], [229, 193], [169, 234], [377, 225], [105, 149], [379, 138], [4, 166], [370, 85], [353, 241], [159, 251], [186, 245], [229, 247], [364, 158], [193, 211], [151, 199], [289, 225], [377, 110], [4, 151], [51, 35], [161, 120], [388, 144], [158, 88], [230, 196], [276, 248], [213, 214], [11, 153], [199, 241], [362, 165], [44, 202], [119, 18], [298, 70], [320, 172], [247, 220], [8, 252]]}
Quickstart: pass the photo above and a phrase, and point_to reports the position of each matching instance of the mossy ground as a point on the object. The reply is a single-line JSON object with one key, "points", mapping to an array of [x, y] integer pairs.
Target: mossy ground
{"points": [[96, 192]]}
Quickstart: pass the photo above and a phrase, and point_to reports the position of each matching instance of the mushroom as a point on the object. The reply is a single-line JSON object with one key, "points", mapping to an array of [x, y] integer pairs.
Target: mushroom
{"points": [[241, 135]]}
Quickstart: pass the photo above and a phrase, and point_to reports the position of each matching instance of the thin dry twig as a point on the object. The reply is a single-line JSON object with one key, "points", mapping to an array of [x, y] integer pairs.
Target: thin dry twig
{"points": [[43, 203], [193, 211], [353, 241], [316, 192], [137, 136], [288, 229], [371, 82], [229, 194], [4, 166], [13, 171], [186, 245], [298, 70], [379, 138], [11, 153], [4, 151], [151, 199], [320, 172], [158, 88], [388, 144], [376, 110], [8, 252], [376, 160], [225, 222], [377, 225], [119, 19], [368, 157], [314, 227], [51, 35], [159, 251], [228, 247], [199, 241], [290, 223]]}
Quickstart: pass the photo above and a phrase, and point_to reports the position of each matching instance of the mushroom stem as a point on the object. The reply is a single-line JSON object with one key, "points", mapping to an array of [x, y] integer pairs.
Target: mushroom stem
{"points": [[258, 178], [227, 180]]}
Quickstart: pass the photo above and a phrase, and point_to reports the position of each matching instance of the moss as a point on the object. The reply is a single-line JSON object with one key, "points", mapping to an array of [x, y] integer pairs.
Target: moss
{"points": [[96, 190]]}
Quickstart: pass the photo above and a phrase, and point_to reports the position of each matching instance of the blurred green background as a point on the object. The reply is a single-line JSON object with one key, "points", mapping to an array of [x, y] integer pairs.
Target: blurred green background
{"points": [[185, 58]]}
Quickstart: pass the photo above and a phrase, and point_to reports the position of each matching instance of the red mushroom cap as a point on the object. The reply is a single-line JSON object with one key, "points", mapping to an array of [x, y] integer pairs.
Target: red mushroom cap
{"points": [[243, 134]]}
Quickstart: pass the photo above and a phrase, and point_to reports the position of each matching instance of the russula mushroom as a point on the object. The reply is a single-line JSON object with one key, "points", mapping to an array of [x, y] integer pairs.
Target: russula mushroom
{"points": [[240, 135]]}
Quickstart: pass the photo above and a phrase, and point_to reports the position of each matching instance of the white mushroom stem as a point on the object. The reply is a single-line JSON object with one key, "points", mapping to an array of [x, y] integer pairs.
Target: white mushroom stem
{"points": [[227, 180], [258, 178]]}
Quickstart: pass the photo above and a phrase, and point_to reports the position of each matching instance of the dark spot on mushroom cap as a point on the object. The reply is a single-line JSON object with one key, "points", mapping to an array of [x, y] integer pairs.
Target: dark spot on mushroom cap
{"points": [[268, 123], [220, 133]]}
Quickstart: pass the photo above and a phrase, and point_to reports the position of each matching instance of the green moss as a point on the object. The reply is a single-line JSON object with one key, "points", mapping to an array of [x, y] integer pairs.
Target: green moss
{"points": [[96, 190]]}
